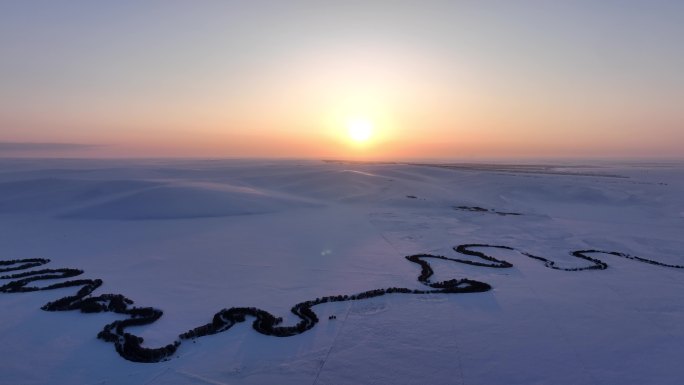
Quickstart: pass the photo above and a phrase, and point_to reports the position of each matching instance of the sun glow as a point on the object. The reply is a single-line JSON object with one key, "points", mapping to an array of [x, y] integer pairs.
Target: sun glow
{"points": [[360, 129]]}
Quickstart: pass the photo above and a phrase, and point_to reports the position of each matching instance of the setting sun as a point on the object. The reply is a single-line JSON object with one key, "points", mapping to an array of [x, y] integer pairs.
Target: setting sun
{"points": [[360, 130]]}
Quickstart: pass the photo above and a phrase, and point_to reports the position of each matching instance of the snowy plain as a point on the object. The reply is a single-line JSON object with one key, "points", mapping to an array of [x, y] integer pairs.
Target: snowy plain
{"points": [[191, 237]]}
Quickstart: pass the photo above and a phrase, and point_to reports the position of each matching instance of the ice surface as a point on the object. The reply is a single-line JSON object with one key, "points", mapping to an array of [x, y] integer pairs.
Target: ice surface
{"points": [[194, 236]]}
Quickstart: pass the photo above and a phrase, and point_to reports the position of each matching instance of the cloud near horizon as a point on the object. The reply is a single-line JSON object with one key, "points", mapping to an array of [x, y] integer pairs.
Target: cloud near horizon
{"points": [[35, 148]]}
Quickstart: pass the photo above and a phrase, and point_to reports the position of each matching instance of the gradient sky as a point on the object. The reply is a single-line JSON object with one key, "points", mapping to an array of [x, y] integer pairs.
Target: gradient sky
{"points": [[439, 79]]}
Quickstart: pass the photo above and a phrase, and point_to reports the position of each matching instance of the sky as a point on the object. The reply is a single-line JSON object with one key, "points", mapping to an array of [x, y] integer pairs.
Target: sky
{"points": [[283, 79]]}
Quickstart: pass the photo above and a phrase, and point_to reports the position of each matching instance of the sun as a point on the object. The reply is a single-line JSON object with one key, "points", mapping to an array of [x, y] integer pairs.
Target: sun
{"points": [[360, 129]]}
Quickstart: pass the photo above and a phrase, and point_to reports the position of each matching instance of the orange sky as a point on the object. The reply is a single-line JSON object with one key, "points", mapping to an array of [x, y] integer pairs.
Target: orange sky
{"points": [[441, 80]]}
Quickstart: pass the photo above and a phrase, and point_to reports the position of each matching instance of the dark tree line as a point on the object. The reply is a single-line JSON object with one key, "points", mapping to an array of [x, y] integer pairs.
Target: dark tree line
{"points": [[479, 209], [130, 347]]}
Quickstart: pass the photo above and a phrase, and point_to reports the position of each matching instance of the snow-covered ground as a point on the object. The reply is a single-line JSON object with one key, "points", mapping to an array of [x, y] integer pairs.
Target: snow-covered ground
{"points": [[192, 237]]}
